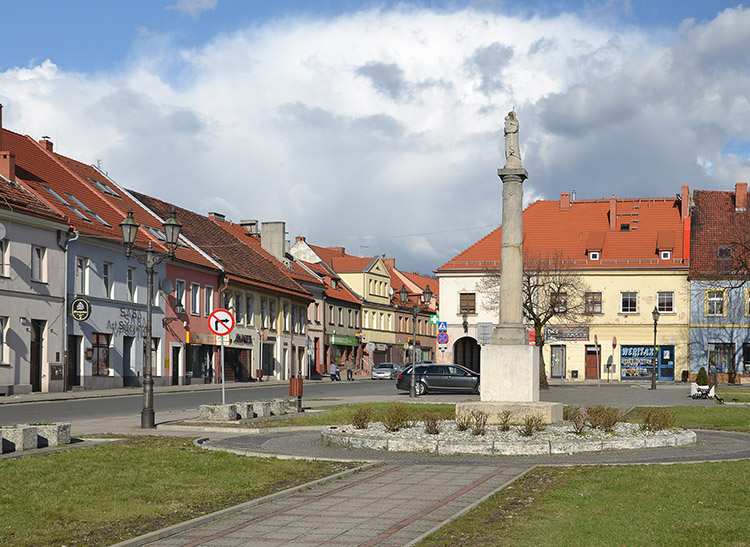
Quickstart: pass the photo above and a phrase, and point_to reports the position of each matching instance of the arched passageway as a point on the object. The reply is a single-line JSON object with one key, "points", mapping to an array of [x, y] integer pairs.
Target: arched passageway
{"points": [[466, 352]]}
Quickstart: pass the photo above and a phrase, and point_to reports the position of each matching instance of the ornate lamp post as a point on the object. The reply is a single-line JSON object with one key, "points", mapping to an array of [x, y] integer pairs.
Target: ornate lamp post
{"points": [[150, 259], [655, 314], [426, 297]]}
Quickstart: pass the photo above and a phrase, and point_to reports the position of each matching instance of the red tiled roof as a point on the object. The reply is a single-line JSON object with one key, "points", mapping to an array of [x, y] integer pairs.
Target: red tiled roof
{"points": [[424, 281], [350, 264], [217, 238], [19, 199], [568, 233], [340, 292], [142, 216], [715, 224]]}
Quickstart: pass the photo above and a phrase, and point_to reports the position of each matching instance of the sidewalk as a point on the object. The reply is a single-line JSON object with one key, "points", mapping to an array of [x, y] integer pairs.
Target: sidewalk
{"points": [[133, 391]]}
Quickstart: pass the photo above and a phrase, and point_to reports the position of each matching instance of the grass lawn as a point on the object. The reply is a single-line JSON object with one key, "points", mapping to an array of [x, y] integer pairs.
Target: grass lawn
{"points": [[104, 494], [342, 414], [728, 418], [641, 505], [735, 395]]}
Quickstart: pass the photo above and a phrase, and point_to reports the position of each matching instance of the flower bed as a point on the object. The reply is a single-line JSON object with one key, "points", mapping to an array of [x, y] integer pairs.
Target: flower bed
{"points": [[554, 439]]}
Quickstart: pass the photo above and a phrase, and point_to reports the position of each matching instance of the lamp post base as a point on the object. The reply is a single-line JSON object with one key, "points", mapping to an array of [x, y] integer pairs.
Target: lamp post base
{"points": [[148, 419]]}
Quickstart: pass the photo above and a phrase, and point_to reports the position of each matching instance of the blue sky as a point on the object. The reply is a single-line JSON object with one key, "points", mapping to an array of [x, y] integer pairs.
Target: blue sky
{"points": [[99, 35]]}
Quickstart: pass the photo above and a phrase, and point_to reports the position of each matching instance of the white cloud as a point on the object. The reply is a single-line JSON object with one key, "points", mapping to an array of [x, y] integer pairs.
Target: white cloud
{"points": [[390, 121], [193, 8]]}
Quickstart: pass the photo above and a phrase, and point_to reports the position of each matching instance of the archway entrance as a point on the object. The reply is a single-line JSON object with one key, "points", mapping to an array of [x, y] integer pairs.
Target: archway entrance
{"points": [[466, 352]]}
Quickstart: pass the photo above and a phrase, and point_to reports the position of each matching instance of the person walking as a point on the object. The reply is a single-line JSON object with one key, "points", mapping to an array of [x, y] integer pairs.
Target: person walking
{"points": [[349, 371], [333, 371]]}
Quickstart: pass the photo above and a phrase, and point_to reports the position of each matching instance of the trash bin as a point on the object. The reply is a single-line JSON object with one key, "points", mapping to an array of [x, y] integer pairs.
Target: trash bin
{"points": [[685, 376], [188, 378]]}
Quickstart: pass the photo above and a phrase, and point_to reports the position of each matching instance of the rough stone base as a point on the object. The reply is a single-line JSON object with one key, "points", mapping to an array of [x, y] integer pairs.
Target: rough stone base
{"points": [[510, 373], [262, 409], [279, 407], [217, 413], [53, 434], [551, 413], [245, 410], [18, 438]]}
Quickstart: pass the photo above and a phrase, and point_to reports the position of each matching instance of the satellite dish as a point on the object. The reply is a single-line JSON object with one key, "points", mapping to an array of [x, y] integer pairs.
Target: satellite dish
{"points": [[3, 231], [166, 285]]}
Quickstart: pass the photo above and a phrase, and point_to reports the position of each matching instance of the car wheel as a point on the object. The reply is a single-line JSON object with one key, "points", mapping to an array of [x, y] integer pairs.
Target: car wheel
{"points": [[420, 389]]}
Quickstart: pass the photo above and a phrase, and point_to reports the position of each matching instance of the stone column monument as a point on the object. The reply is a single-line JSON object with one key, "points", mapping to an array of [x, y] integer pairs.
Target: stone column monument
{"points": [[509, 365]]}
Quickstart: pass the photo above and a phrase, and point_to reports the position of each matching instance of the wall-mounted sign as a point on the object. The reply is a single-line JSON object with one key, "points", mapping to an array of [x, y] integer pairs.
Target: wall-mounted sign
{"points": [[80, 309], [344, 340], [484, 333], [562, 332], [245, 339], [131, 323]]}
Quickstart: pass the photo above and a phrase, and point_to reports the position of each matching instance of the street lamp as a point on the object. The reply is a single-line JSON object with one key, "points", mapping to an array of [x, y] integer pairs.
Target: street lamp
{"points": [[655, 315], [425, 298], [150, 259]]}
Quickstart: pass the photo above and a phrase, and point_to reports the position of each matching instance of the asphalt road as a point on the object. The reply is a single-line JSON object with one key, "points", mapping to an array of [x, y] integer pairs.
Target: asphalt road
{"points": [[130, 405]]}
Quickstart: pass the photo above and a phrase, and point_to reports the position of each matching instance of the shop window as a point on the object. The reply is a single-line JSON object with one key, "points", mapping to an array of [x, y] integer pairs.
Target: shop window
{"points": [[745, 358], [100, 354], [665, 301], [593, 302], [629, 302], [467, 302]]}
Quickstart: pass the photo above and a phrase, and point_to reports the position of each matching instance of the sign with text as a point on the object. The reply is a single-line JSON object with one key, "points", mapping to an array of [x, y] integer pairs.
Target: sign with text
{"points": [[484, 333], [574, 333]]}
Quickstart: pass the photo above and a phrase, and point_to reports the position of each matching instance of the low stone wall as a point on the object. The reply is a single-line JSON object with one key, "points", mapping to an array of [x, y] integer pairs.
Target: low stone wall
{"points": [[22, 437], [245, 410], [556, 440]]}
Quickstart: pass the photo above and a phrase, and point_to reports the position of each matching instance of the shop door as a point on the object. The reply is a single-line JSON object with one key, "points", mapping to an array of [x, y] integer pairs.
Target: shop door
{"points": [[175, 365], [592, 363], [37, 345], [558, 362], [73, 374], [127, 368], [267, 360], [666, 363]]}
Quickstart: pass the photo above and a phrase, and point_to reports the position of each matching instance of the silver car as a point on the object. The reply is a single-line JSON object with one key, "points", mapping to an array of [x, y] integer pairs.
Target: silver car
{"points": [[385, 371]]}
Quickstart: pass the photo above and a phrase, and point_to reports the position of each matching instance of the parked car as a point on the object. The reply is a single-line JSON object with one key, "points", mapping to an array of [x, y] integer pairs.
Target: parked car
{"points": [[385, 371], [448, 377]]}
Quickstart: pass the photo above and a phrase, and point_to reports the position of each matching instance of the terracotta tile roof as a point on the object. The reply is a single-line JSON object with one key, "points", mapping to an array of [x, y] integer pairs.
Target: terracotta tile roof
{"points": [[16, 197], [341, 291], [52, 181], [102, 184], [246, 261], [715, 224], [550, 230], [340, 261], [424, 281]]}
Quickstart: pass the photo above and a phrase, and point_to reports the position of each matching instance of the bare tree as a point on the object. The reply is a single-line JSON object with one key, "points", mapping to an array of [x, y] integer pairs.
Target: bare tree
{"points": [[551, 290]]}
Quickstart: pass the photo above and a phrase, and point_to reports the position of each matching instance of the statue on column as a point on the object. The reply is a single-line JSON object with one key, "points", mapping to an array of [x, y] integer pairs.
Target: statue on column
{"points": [[512, 149]]}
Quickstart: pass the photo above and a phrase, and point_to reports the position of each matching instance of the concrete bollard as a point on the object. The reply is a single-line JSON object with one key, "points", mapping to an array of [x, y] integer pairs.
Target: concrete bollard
{"points": [[262, 409], [279, 407], [245, 410], [52, 434], [18, 438], [218, 413], [291, 406]]}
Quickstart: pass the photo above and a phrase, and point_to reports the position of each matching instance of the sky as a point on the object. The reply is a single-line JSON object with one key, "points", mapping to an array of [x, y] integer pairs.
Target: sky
{"points": [[378, 125]]}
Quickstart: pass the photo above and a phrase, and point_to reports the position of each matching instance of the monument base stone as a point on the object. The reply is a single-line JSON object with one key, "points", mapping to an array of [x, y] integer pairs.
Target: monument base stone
{"points": [[510, 381]]}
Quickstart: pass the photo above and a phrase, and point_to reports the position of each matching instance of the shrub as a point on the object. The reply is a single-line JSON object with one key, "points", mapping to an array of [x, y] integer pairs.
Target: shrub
{"points": [[579, 421], [432, 424], [531, 424], [362, 418], [702, 377], [396, 418], [463, 422], [478, 422], [505, 420], [603, 417], [569, 412], [658, 419]]}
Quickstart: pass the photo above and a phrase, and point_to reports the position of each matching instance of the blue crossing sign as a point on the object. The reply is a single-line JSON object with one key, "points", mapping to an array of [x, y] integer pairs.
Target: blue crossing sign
{"points": [[442, 326]]}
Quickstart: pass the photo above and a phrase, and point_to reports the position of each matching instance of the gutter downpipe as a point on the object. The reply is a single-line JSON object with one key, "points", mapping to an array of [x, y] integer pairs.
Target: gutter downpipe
{"points": [[64, 244]]}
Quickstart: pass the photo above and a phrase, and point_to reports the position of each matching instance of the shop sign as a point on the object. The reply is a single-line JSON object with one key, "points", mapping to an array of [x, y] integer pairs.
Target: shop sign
{"points": [[636, 362], [344, 340], [243, 339], [80, 308], [381, 347], [484, 333], [554, 333], [131, 323]]}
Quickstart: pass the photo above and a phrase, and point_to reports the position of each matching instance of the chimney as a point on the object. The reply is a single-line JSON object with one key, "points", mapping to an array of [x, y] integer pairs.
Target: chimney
{"points": [[613, 214], [300, 239], [564, 200], [740, 196], [390, 262], [250, 226], [8, 165], [213, 215], [272, 238], [47, 144]]}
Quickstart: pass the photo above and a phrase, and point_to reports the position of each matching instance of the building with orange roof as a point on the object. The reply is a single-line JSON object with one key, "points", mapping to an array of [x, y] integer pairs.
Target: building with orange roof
{"points": [[632, 256]]}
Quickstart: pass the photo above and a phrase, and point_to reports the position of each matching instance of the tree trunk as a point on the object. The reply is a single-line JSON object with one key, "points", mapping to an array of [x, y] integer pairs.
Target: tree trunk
{"points": [[543, 384]]}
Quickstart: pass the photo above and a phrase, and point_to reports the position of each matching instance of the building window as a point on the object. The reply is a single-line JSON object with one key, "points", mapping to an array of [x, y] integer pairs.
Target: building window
{"points": [[82, 274], [721, 357], [331, 319], [665, 255], [560, 302], [264, 313], [745, 358], [594, 255], [351, 319], [665, 302], [39, 264], [107, 279], [341, 317], [715, 302], [317, 312], [208, 296], [724, 252], [131, 285], [467, 302], [3, 326], [100, 354], [272, 312], [381, 321], [286, 316], [195, 299], [356, 319], [250, 300], [239, 308], [4, 262], [593, 302], [179, 295], [629, 302]]}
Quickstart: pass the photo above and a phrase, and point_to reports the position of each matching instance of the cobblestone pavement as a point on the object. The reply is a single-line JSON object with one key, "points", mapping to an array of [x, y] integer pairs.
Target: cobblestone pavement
{"points": [[402, 499]]}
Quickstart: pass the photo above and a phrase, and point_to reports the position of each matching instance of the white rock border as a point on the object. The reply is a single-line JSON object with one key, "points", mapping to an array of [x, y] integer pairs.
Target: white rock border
{"points": [[628, 437]]}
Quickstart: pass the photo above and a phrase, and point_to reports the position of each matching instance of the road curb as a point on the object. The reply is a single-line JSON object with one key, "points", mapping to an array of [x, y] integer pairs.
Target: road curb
{"points": [[243, 430], [192, 523]]}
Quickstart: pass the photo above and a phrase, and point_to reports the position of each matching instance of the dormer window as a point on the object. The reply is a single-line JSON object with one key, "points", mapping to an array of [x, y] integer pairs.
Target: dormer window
{"points": [[624, 227], [665, 255], [594, 255]]}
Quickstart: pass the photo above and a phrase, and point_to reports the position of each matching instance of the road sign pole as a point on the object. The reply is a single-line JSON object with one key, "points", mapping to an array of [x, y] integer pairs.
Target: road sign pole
{"points": [[223, 385]]}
